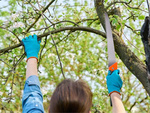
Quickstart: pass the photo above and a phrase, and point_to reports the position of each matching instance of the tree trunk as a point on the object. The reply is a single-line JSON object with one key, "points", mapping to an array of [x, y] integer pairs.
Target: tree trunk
{"points": [[132, 62]]}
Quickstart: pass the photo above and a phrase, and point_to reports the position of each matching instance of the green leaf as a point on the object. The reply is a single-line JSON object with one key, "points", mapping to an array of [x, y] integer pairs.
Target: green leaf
{"points": [[1, 22], [118, 27], [141, 17], [19, 30], [4, 13], [59, 16], [114, 21]]}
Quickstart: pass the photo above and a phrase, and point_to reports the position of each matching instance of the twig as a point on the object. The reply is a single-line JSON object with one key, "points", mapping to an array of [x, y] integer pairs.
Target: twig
{"points": [[137, 102], [5, 63], [89, 19], [126, 3], [134, 31], [55, 46], [11, 32], [55, 24], [21, 58], [42, 51], [112, 3], [12, 84], [55, 5], [59, 41], [40, 15], [133, 45]]}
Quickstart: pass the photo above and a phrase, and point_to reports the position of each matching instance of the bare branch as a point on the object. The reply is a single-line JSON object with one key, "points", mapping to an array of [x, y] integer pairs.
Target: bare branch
{"points": [[42, 51], [55, 45], [79, 28], [5, 63], [20, 59], [55, 24], [123, 2], [133, 45], [40, 15], [137, 102], [11, 32], [115, 2]]}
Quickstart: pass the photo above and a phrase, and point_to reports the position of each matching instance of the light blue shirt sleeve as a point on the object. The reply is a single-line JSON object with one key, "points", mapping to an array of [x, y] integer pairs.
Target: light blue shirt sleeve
{"points": [[32, 99]]}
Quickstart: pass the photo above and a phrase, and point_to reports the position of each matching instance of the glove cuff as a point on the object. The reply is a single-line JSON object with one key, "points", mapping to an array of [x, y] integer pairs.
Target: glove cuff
{"points": [[32, 54], [32, 57], [114, 92]]}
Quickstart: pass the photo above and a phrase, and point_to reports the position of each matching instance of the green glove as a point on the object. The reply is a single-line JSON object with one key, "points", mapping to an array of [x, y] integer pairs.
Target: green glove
{"points": [[114, 82], [32, 46]]}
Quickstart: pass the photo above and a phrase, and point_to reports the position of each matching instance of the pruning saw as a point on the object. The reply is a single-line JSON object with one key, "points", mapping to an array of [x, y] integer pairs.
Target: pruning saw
{"points": [[112, 64]]}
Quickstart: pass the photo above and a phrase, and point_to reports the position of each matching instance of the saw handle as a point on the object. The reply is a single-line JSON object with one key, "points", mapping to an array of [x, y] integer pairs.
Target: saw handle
{"points": [[113, 67]]}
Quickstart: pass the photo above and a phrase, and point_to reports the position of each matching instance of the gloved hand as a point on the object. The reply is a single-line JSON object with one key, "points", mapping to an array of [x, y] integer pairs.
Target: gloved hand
{"points": [[32, 46], [145, 29], [114, 82]]}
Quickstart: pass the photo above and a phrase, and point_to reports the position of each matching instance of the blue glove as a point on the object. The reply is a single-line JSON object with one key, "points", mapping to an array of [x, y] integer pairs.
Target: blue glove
{"points": [[114, 82], [32, 46]]}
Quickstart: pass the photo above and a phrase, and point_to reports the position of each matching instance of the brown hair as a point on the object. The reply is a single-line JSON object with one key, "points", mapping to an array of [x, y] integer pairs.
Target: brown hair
{"points": [[71, 96]]}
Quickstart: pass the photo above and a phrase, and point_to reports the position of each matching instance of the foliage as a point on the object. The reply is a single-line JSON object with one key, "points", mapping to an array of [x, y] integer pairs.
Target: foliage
{"points": [[83, 54]]}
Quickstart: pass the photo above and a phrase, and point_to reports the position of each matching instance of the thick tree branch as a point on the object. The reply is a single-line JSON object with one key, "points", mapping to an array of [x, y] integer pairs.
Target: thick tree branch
{"points": [[131, 61], [80, 28]]}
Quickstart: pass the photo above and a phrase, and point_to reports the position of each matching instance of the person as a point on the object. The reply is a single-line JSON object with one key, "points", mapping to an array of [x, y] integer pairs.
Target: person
{"points": [[70, 95]]}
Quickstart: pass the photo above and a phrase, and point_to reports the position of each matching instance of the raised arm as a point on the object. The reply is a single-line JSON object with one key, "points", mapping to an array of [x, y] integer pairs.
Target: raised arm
{"points": [[32, 47], [117, 103], [32, 99], [114, 84], [31, 67]]}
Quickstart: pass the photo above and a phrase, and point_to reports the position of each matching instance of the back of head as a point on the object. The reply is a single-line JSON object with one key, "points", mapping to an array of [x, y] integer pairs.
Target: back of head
{"points": [[71, 96]]}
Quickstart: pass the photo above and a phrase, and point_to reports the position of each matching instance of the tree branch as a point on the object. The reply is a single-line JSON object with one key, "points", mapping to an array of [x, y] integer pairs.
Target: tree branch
{"points": [[115, 2], [137, 102], [11, 32], [54, 44], [80, 28], [39, 15]]}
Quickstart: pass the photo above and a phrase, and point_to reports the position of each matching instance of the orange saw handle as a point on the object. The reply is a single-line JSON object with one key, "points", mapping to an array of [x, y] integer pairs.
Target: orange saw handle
{"points": [[113, 67]]}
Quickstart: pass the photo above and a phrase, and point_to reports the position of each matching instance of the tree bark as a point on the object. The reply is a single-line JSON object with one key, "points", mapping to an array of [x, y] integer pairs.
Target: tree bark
{"points": [[132, 62]]}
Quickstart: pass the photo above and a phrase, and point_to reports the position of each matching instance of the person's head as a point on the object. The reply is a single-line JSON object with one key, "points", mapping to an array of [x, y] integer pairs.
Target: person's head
{"points": [[71, 96]]}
